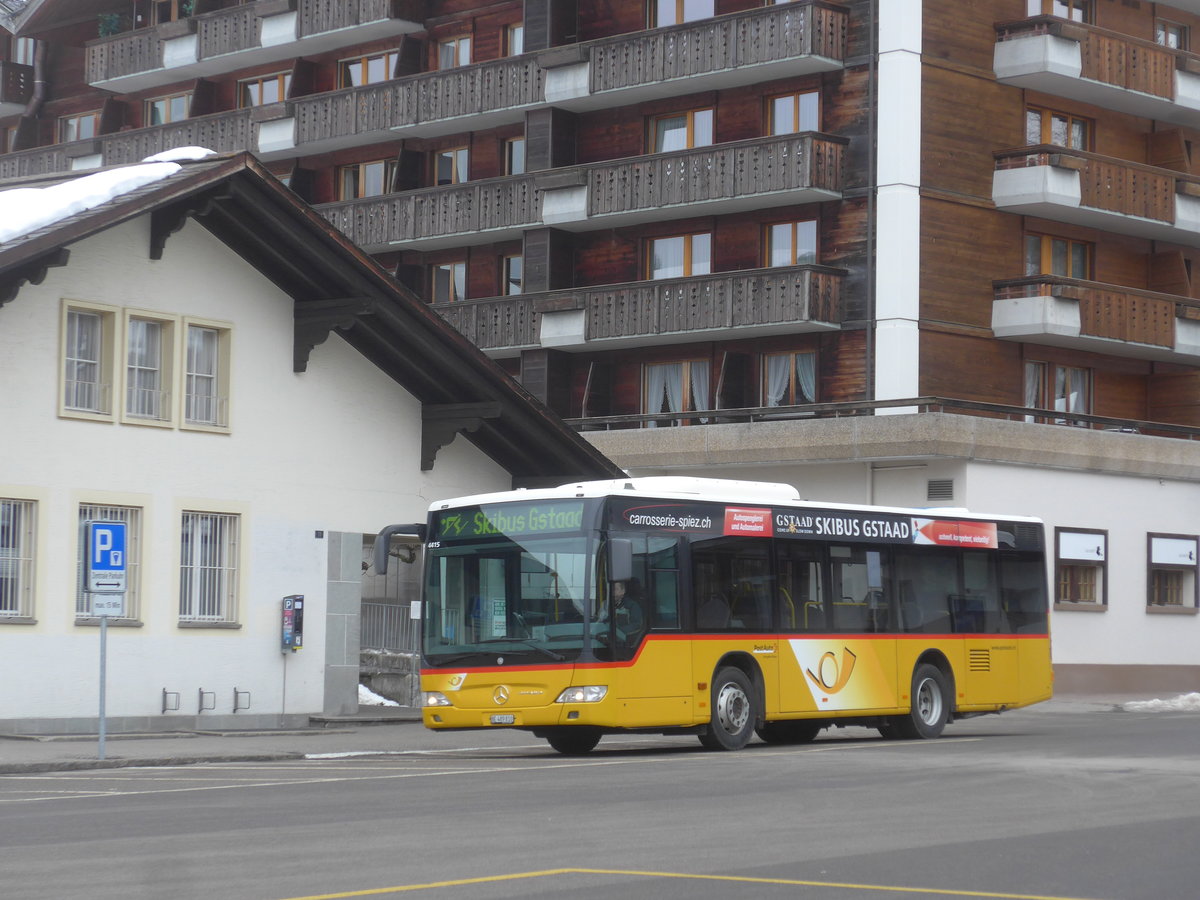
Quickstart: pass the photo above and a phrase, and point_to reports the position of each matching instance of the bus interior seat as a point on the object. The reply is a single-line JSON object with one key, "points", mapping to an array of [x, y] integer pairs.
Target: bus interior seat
{"points": [[713, 612]]}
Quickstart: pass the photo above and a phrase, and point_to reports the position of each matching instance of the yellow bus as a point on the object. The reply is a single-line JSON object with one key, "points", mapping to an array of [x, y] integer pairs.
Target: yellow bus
{"points": [[723, 609]]}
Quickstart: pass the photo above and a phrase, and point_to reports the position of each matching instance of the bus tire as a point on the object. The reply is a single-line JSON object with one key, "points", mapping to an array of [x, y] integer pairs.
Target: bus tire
{"points": [[930, 706], [574, 741], [792, 731], [734, 711]]}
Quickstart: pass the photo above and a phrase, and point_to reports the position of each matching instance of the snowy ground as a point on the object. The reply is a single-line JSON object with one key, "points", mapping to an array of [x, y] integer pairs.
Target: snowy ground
{"points": [[1182, 703], [367, 697]]}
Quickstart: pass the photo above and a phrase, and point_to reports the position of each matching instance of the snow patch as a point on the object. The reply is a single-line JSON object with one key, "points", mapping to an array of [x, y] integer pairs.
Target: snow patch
{"points": [[367, 697], [187, 154], [23, 210], [1182, 703]]}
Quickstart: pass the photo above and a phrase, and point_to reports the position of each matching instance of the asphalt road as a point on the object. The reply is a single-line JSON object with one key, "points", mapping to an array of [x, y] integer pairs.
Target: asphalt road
{"points": [[1093, 805]]}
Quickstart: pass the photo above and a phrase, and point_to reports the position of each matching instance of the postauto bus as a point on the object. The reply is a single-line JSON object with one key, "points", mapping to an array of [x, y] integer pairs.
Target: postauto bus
{"points": [[723, 609]]}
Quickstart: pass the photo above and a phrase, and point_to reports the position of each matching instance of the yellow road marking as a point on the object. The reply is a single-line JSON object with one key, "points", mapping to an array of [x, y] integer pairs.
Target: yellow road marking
{"points": [[789, 882]]}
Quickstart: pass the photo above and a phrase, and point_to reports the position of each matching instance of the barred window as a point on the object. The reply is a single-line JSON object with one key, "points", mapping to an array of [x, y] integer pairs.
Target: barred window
{"points": [[17, 546], [208, 567]]}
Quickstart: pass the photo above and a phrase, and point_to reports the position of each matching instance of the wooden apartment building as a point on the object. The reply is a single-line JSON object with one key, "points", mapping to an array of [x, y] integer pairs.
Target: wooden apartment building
{"points": [[899, 251]]}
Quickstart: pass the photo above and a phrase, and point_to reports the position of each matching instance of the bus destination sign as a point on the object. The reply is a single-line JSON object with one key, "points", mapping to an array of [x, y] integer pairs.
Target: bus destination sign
{"points": [[511, 519]]}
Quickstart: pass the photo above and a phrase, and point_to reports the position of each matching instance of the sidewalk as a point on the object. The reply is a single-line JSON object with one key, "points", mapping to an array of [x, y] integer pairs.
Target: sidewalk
{"points": [[373, 729]]}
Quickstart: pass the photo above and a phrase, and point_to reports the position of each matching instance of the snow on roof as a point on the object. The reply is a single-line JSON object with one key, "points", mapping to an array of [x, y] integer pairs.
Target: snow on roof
{"points": [[23, 210]]}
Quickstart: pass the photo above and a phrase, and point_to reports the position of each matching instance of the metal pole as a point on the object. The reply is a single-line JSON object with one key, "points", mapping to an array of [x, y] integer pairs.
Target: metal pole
{"points": [[103, 666]]}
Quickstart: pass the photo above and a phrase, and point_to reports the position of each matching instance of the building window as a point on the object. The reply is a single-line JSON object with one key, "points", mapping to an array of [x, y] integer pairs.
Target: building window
{"points": [[789, 379], [1174, 560], [681, 131], [1080, 568], [148, 368], [792, 243], [1047, 255], [1065, 389], [1050, 126], [208, 567], [169, 10], [675, 12], [450, 166], [206, 376], [1170, 34], [87, 360], [18, 519], [514, 40], [514, 275], [364, 70], [454, 52], [680, 256], [78, 128], [675, 387], [1075, 10], [366, 179], [132, 517], [264, 90], [791, 113], [514, 156], [449, 282], [164, 110]]}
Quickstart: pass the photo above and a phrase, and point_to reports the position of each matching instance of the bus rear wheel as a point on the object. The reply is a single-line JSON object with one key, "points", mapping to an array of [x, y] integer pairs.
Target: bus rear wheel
{"points": [[794, 731], [574, 741], [733, 711], [930, 706]]}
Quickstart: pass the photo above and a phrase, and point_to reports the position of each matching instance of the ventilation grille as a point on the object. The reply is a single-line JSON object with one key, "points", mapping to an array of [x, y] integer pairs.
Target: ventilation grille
{"points": [[940, 489], [979, 660]]}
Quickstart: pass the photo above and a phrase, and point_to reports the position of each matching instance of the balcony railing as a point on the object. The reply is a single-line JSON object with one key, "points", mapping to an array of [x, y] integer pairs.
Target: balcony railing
{"points": [[234, 30], [793, 169], [790, 31], [801, 298], [1122, 428], [450, 94], [1088, 189], [1098, 66], [1106, 318]]}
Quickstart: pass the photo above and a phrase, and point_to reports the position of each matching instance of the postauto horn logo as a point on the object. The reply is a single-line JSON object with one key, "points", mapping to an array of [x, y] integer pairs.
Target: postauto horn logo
{"points": [[831, 675]]}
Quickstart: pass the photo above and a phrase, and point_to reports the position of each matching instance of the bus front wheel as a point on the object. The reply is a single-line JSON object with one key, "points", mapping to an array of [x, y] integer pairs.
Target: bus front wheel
{"points": [[930, 707], [575, 741], [733, 711]]}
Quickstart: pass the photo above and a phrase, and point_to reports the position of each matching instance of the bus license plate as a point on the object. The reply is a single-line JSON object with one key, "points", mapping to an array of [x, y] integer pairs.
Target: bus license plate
{"points": [[504, 719]]}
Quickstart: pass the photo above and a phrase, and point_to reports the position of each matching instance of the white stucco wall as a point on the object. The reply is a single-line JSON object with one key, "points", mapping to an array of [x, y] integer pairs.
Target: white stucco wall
{"points": [[336, 448]]}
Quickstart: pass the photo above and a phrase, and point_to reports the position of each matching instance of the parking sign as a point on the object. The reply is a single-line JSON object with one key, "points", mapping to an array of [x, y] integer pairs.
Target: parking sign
{"points": [[105, 557]]}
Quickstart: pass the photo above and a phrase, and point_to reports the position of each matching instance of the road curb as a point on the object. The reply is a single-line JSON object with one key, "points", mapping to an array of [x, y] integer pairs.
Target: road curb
{"points": [[78, 765]]}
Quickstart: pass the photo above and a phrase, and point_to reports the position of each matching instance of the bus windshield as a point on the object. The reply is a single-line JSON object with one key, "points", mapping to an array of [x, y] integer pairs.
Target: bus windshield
{"points": [[501, 591]]}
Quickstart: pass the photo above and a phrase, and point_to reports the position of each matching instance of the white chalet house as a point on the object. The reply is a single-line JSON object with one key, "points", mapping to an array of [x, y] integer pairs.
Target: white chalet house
{"points": [[204, 359]]}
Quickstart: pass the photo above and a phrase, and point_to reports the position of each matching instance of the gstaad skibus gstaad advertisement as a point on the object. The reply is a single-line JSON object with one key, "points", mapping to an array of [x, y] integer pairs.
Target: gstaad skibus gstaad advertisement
{"points": [[726, 610]]}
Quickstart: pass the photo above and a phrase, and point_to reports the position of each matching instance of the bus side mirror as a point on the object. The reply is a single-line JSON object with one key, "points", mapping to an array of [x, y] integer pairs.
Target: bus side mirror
{"points": [[620, 559]]}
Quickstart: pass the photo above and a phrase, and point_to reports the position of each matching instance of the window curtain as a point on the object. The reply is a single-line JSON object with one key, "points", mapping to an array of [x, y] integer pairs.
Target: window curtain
{"points": [[201, 399], [777, 379], [806, 377], [700, 380]]}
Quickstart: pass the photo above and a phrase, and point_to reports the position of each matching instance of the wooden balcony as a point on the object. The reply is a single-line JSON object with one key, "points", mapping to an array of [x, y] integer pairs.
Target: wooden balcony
{"points": [[751, 303], [1105, 68], [248, 34], [1098, 191], [725, 178], [1102, 318], [798, 38], [16, 87]]}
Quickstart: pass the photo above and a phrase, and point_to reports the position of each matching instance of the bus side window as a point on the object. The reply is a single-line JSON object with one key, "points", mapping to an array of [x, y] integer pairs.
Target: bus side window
{"points": [[801, 600], [860, 600], [658, 568], [1023, 592], [928, 584], [733, 585], [978, 608]]}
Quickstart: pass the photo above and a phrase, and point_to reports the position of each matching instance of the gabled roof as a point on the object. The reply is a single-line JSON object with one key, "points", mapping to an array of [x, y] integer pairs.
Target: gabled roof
{"points": [[335, 286]]}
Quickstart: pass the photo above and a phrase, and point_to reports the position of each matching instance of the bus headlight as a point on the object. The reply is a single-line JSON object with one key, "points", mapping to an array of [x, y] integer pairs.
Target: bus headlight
{"points": [[436, 698], [588, 693]]}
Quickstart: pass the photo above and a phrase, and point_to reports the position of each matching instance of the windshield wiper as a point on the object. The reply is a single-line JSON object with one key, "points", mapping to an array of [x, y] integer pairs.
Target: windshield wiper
{"points": [[530, 644]]}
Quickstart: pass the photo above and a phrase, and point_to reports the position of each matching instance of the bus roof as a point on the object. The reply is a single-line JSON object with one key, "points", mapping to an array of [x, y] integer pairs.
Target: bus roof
{"points": [[704, 490]]}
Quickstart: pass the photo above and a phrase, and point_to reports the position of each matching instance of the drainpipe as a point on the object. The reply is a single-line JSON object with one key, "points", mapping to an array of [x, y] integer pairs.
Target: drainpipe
{"points": [[38, 97]]}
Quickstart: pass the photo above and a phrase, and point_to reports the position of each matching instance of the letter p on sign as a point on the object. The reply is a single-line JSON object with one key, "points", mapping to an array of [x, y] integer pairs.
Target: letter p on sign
{"points": [[106, 557]]}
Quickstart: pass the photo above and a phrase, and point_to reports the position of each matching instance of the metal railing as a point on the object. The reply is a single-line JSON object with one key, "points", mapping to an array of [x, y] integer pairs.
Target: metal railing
{"points": [[870, 407], [389, 626]]}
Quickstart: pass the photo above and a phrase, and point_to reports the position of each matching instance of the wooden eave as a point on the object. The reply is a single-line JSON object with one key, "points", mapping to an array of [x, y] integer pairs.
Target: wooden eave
{"points": [[338, 287]]}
